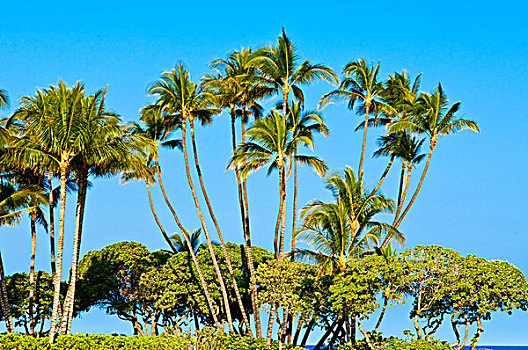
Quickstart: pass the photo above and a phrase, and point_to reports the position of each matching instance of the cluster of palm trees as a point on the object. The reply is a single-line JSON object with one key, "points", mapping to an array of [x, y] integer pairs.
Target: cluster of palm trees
{"points": [[62, 134]]}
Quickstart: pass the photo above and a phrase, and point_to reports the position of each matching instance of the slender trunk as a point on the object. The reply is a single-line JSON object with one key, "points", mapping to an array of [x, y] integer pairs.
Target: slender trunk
{"points": [[204, 227], [465, 335], [417, 327], [337, 331], [244, 207], [60, 242], [282, 207], [431, 146], [67, 316], [51, 224], [382, 177], [32, 215], [335, 325], [277, 227], [191, 251], [219, 233], [297, 330], [364, 139], [270, 325], [455, 330], [385, 302], [4, 301], [365, 334], [285, 92], [400, 192], [163, 233], [294, 214], [475, 340]]}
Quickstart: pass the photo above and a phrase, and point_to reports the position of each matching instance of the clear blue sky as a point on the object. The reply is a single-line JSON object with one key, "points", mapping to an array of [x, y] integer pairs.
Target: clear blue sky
{"points": [[473, 199]]}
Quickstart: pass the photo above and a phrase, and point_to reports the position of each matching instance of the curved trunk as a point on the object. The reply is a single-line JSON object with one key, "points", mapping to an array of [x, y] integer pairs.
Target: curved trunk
{"points": [[4, 301], [219, 233], [417, 327], [385, 302], [204, 227], [164, 234], [294, 213], [465, 336], [337, 323], [79, 219], [455, 330], [191, 251], [364, 139], [282, 209], [32, 216], [60, 243], [382, 177], [365, 334], [400, 192], [51, 224], [244, 214], [307, 333], [431, 146]]}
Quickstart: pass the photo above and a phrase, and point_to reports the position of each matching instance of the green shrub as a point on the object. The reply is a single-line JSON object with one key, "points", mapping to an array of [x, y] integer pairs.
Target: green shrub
{"points": [[207, 339]]}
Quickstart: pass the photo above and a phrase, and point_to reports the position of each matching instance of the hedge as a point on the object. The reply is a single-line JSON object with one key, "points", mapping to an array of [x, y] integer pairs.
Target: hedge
{"points": [[205, 340]]}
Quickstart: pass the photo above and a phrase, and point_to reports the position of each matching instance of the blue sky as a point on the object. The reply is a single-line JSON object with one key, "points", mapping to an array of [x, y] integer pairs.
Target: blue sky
{"points": [[473, 198]]}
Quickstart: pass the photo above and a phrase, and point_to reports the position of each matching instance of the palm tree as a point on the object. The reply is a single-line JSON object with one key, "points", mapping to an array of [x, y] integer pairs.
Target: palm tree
{"points": [[56, 135], [360, 83], [281, 69], [104, 153], [345, 228], [237, 84], [179, 243], [303, 125], [433, 117], [180, 97], [28, 179]]}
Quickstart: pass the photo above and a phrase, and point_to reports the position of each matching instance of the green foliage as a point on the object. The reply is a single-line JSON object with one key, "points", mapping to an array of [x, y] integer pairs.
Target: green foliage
{"points": [[207, 339]]}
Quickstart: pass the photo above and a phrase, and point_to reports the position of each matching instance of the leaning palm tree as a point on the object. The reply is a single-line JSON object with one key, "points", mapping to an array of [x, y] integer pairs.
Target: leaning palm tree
{"points": [[433, 117], [180, 97], [345, 228], [360, 83], [281, 69], [180, 245]]}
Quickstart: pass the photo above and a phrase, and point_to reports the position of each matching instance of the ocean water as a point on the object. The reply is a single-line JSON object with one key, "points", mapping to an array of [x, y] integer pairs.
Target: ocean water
{"points": [[491, 347]]}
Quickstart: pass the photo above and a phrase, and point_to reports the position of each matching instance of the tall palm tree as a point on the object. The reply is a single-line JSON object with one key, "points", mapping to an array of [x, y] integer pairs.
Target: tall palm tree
{"points": [[433, 117], [303, 125], [180, 245], [56, 135], [360, 83], [104, 149], [281, 69], [237, 83], [180, 97]]}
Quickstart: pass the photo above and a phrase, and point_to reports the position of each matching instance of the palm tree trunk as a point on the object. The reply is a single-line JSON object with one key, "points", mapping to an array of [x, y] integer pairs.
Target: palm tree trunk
{"points": [[380, 318], [191, 251], [244, 212], [219, 233], [51, 224], [204, 227], [4, 301], [165, 236], [79, 219], [294, 214], [285, 92], [32, 215], [60, 242], [282, 209], [334, 326], [431, 146], [364, 138], [270, 325], [382, 177], [400, 192]]}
